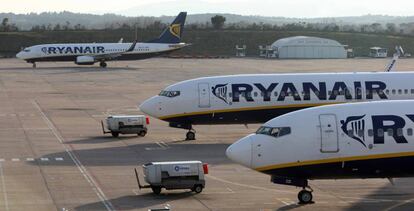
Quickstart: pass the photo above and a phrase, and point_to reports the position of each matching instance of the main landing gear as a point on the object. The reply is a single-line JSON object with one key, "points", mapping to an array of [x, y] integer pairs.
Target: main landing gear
{"points": [[34, 64], [102, 64]]}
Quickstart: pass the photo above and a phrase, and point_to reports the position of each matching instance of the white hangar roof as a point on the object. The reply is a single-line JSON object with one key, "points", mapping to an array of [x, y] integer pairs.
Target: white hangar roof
{"points": [[305, 41]]}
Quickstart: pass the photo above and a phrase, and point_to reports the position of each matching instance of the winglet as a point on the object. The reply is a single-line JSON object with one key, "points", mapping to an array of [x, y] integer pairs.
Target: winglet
{"points": [[132, 46]]}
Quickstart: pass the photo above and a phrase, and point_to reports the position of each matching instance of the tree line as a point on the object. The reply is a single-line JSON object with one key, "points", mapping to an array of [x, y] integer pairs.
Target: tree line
{"points": [[218, 22]]}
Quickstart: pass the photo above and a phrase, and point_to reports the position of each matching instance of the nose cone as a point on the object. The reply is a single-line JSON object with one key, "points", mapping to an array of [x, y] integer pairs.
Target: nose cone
{"points": [[241, 152], [19, 55], [151, 107]]}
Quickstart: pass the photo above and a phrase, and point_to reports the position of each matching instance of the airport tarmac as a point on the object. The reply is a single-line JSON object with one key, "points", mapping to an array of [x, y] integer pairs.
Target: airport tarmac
{"points": [[53, 155]]}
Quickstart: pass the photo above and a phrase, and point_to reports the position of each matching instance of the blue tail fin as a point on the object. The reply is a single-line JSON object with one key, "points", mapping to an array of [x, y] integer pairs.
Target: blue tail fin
{"points": [[172, 34]]}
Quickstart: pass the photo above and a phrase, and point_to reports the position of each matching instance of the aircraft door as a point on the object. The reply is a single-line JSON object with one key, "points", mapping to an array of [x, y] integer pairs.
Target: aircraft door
{"points": [[329, 133], [204, 95]]}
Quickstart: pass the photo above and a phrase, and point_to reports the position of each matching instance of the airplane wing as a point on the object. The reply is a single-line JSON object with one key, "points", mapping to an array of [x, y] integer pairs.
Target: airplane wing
{"points": [[110, 56]]}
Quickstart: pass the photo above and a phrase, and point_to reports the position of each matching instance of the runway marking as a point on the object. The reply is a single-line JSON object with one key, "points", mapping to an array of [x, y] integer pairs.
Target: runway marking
{"points": [[284, 202], [2, 160], [162, 146], [4, 190], [44, 159], [8, 129], [400, 204], [247, 186], [95, 187], [15, 159], [30, 159], [59, 159]]}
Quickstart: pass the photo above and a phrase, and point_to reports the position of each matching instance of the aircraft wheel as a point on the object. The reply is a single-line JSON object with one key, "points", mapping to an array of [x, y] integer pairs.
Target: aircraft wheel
{"points": [[305, 197], [102, 64], [190, 136], [34, 64]]}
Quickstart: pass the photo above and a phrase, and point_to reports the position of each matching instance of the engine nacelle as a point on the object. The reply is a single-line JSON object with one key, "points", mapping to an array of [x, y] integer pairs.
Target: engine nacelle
{"points": [[85, 60]]}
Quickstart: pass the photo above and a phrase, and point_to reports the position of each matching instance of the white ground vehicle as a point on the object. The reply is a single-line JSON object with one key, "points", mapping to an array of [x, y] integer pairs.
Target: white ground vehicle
{"points": [[116, 125], [174, 175]]}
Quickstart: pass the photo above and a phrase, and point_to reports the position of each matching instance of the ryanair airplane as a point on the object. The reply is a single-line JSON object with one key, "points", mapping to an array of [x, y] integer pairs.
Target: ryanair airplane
{"points": [[355, 140], [90, 53], [257, 98]]}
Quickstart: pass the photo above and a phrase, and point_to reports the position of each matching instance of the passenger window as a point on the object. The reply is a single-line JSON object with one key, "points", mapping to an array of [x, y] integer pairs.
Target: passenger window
{"points": [[393, 91], [410, 131], [390, 132], [399, 91], [412, 91], [360, 133], [399, 132], [255, 94], [370, 132], [387, 91], [405, 91], [380, 133], [296, 94], [230, 94], [282, 94]]}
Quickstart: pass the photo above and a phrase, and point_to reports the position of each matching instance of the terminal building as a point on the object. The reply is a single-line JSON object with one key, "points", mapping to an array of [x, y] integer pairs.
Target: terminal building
{"points": [[302, 47]]}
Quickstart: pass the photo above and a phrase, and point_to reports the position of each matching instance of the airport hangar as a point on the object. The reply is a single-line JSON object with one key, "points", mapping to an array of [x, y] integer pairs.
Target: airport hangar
{"points": [[303, 47]]}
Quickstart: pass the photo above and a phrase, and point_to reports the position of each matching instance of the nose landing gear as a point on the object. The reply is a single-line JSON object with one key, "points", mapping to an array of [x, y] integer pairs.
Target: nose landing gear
{"points": [[102, 64], [305, 196], [191, 132], [190, 135]]}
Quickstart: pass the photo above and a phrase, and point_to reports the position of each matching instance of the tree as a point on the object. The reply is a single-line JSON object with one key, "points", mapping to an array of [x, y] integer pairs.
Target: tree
{"points": [[218, 21], [4, 25], [391, 28]]}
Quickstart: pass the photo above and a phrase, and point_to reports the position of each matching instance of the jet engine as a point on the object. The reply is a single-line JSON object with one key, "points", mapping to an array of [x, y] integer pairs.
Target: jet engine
{"points": [[85, 60]]}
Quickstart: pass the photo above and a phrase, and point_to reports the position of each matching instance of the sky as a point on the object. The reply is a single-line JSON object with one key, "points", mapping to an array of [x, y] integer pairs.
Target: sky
{"points": [[285, 8]]}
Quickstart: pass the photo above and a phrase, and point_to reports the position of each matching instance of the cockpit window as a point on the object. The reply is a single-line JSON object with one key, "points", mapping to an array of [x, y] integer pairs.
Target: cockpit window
{"points": [[274, 131], [169, 93], [26, 50]]}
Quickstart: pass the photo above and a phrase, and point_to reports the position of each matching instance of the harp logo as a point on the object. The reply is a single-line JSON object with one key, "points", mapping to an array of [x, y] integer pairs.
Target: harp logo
{"points": [[44, 50], [175, 30], [354, 127], [220, 91]]}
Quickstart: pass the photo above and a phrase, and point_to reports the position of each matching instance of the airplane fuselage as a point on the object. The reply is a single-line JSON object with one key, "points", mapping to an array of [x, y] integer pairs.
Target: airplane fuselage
{"points": [[69, 52], [357, 140], [246, 99]]}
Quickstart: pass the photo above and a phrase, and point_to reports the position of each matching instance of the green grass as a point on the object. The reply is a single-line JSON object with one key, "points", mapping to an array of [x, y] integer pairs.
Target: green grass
{"points": [[208, 42]]}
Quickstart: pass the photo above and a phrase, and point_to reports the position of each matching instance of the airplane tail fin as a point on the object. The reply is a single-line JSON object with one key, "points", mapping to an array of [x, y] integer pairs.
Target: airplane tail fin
{"points": [[172, 34]]}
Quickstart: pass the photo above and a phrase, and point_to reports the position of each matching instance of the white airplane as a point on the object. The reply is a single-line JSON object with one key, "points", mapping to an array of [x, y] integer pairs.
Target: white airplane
{"points": [[355, 140], [247, 99], [90, 53]]}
